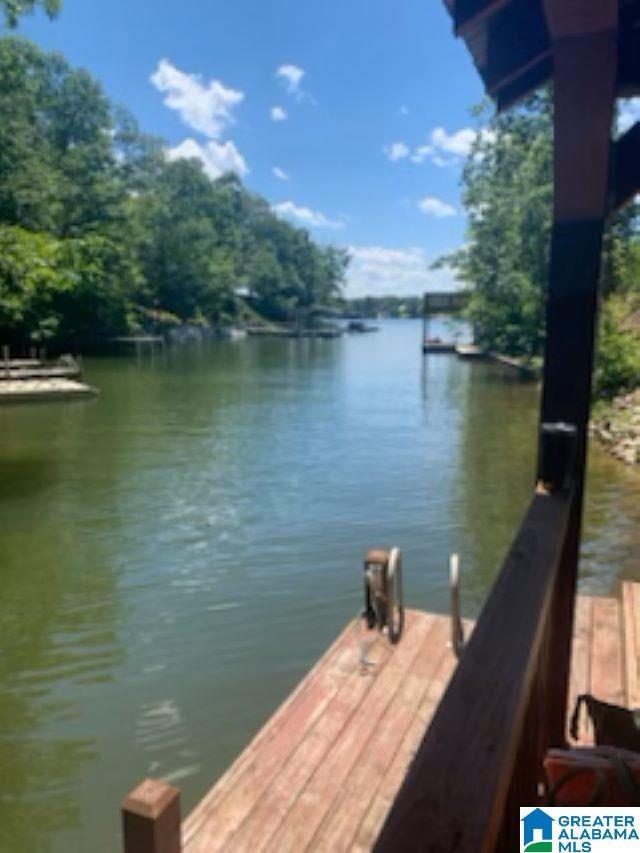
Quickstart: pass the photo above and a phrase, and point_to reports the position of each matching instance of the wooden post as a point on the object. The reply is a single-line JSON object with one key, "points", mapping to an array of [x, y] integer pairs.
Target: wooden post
{"points": [[584, 39], [151, 818], [425, 322]]}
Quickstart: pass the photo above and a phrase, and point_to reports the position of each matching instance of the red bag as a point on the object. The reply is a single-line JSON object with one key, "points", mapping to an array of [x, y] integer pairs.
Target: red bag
{"points": [[592, 776]]}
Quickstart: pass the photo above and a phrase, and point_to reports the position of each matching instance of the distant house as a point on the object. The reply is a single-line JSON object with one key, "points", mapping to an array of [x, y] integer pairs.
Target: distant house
{"points": [[538, 826]]}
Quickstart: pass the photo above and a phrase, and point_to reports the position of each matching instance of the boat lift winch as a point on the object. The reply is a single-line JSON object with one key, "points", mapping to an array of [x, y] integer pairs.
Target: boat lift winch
{"points": [[384, 598], [383, 594]]}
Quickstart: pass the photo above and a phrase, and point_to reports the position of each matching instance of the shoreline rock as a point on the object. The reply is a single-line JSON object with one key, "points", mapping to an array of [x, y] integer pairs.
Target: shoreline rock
{"points": [[617, 427]]}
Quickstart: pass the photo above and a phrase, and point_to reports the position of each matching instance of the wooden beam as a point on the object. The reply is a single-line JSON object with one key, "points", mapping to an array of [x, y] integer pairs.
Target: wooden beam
{"points": [[629, 50], [454, 794], [508, 77], [469, 13], [520, 87], [580, 18], [584, 91], [516, 39], [625, 168], [585, 64], [151, 818]]}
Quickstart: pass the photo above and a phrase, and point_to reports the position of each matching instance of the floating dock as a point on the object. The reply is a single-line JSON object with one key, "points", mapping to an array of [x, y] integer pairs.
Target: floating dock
{"points": [[438, 347], [34, 390], [470, 351], [26, 380], [272, 332], [59, 371], [15, 363], [323, 772]]}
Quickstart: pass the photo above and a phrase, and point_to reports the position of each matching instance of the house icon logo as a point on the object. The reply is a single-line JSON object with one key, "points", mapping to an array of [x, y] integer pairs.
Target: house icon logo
{"points": [[537, 832]]}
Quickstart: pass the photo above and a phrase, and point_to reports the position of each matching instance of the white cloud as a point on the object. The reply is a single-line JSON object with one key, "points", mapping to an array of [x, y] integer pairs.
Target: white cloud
{"points": [[312, 218], [291, 76], [628, 114], [216, 157], [280, 173], [458, 143], [396, 151], [278, 114], [205, 107], [421, 153], [382, 271], [432, 206], [448, 149]]}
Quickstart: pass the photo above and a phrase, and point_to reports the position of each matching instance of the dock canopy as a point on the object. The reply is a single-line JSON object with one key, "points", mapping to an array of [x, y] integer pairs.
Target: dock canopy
{"points": [[511, 45]]}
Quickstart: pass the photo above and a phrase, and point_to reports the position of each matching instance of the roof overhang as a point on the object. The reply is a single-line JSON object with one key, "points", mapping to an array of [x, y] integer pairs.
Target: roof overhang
{"points": [[510, 44]]}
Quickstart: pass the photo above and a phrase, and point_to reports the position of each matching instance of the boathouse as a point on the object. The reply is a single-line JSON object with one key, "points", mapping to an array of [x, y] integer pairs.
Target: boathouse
{"points": [[421, 753]]}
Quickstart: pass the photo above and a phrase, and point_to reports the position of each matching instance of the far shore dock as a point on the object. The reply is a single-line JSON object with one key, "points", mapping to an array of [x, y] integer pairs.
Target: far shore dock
{"points": [[25, 380], [33, 390]]}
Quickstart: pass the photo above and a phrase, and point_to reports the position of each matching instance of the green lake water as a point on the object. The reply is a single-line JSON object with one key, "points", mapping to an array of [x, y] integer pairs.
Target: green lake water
{"points": [[175, 554]]}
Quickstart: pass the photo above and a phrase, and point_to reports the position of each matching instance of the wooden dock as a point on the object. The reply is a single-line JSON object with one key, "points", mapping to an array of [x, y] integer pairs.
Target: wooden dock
{"points": [[59, 371], [470, 351], [438, 347], [37, 390], [26, 380], [323, 772]]}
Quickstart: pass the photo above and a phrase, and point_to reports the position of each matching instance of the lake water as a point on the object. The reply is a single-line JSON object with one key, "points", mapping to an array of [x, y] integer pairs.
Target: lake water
{"points": [[176, 554]]}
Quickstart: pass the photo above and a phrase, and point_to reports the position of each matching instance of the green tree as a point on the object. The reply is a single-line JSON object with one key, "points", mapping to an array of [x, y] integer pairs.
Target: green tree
{"points": [[507, 190], [13, 9], [507, 184], [618, 361], [115, 234]]}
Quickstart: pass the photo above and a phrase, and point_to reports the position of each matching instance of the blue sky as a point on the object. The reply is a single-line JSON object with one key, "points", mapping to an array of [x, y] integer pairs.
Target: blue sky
{"points": [[361, 107]]}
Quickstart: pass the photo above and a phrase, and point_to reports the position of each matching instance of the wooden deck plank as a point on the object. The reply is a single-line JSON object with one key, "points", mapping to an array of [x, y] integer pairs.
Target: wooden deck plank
{"points": [[258, 826], [607, 681], [630, 597], [343, 819], [273, 808], [323, 772], [580, 681], [323, 680], [377, 812], [311, 806], [226, 813]]}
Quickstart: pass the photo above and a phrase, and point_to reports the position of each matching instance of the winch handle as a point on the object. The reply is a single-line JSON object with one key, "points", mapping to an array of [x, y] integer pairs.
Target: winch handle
{"points": [[457, 631], [395, 595]]}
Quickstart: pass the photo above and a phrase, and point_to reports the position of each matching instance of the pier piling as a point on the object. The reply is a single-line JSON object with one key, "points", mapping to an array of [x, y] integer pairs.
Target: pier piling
{"points": [[151, 818]]}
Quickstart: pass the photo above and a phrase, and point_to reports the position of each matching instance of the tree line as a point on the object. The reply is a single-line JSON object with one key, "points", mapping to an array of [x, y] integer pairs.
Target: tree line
{"points": [[101, 235], [507, 191]]}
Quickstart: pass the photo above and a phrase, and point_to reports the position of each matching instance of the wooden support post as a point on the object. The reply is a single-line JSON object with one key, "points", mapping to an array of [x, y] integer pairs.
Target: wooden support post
{"points": [[151, 818], [584, 36]]}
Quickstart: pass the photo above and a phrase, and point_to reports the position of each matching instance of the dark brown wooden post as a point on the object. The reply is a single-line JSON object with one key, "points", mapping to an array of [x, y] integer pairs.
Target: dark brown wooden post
{"points": [[151, 818], [584, 40]]}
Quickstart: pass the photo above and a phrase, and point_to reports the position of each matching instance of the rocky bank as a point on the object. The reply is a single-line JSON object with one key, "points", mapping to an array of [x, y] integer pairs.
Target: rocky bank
{"points": [[617, 426]]}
